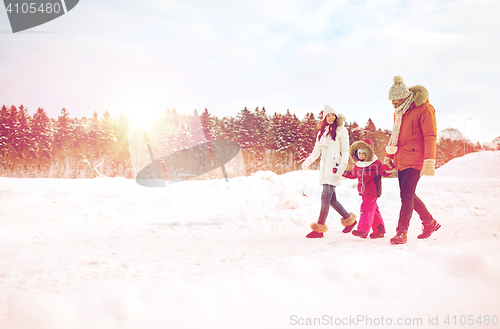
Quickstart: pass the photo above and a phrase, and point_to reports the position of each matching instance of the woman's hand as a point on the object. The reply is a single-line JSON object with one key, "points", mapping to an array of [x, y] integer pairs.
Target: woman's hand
{"points": [[340, 169]]}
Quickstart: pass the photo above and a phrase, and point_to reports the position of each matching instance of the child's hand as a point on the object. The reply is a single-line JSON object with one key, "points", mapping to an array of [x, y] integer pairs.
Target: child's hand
{"points": [[388, 162]]}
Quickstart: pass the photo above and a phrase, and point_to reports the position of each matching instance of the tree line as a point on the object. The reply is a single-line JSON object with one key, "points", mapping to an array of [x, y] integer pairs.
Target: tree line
{"points": [[65, 147]]}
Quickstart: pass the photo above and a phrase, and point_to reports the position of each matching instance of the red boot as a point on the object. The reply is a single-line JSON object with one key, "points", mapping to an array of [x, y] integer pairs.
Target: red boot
{"points": [[349, 228], [349, 222], [317, 230], [314, 235]]}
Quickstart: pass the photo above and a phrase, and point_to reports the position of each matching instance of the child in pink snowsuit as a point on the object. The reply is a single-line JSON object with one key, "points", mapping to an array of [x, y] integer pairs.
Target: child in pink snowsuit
{"points": [[369, 171]]}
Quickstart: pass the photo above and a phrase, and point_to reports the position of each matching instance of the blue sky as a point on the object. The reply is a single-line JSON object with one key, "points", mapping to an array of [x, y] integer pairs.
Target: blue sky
{"points": [[140, 57]]}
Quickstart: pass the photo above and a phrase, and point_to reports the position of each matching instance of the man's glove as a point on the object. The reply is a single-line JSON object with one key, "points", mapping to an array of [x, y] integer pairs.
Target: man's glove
{"points": [[429, 168]]}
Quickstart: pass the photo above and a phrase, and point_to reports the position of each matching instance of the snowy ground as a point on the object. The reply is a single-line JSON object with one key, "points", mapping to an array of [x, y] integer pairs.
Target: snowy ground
{"points": [[108, 253]]}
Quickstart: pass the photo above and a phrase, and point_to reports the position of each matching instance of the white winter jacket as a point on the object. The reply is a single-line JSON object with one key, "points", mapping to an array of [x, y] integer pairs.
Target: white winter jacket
{"points": [[332, 152]]}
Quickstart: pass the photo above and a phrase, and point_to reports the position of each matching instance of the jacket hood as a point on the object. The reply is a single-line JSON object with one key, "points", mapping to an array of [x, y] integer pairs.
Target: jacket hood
{"points": [[421, 95], [340, 120], [365, 146]]}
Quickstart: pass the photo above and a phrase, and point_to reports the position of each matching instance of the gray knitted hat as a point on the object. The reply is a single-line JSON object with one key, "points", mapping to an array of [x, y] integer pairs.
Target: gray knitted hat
{"points": [[398, 89]]}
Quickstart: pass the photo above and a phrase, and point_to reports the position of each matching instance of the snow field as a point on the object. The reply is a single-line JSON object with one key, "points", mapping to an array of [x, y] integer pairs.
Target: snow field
{"points": [[108, 253]]}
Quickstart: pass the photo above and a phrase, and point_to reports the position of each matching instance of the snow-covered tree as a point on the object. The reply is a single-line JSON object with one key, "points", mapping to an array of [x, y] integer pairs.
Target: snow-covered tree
{"points": [[41, 129], [261, 134], [369, 130], [245, 129], [355, 132], [496, 143], [208, 124], [246, 126], [63, 145], [7, 137], [24, 138], [306, 137], [286, 132], [450, 145]]}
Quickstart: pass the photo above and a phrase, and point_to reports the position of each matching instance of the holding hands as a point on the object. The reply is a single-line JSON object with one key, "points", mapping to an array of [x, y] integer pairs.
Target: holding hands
{"points": [[339, 169]]}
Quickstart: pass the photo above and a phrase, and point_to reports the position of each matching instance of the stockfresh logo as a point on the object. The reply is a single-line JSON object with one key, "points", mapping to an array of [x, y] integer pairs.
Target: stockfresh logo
{"points": [[25, 14]]}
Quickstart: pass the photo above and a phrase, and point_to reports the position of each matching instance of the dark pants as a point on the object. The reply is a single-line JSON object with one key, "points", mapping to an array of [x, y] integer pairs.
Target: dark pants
{"points": [[408, 180], [328, 198]]}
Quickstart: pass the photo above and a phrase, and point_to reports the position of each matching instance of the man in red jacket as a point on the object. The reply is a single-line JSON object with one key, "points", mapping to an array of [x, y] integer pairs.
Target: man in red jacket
{"points": [[412, 152]]}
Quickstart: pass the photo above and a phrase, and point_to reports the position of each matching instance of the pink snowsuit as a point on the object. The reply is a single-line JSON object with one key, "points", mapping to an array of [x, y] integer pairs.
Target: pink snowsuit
{"points": [[369, 174]]}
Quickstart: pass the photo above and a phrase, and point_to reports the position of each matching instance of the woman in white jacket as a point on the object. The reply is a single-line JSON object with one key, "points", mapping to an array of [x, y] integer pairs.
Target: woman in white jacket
{"points": [[332, 144]]}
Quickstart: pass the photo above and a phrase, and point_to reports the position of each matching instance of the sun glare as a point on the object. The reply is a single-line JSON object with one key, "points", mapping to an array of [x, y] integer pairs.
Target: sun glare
{"points": [[142, 113]]}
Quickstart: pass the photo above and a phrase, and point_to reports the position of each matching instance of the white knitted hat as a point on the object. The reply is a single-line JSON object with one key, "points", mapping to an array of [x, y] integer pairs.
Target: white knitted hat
{"points": [[398, 89], [328, 109]]}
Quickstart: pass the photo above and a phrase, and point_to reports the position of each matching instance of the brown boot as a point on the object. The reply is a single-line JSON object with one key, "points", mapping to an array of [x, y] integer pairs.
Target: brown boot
{"points": [[428, 229], [360, 234], [380, 232], [400, 237]]}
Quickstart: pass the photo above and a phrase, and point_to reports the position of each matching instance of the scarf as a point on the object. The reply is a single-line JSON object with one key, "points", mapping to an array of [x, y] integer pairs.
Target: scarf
{"points": [[364, 164], [392, 147]]}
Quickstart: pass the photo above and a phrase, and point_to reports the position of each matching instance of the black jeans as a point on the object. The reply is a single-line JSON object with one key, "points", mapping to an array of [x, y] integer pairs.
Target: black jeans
{"points": [[328, 198], [408, 180]]}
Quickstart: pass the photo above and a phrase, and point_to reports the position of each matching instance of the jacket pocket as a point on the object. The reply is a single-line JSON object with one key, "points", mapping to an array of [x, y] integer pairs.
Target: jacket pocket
{"points": [[413, 154]]}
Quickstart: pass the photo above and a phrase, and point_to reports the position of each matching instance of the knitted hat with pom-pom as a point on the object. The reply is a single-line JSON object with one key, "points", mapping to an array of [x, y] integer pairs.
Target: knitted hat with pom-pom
{"points": [[398, 89]]}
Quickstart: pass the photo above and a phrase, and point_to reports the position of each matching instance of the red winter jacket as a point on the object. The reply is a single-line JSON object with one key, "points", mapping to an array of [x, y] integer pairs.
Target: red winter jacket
{"points": [[369, 178]]}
